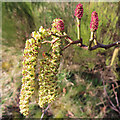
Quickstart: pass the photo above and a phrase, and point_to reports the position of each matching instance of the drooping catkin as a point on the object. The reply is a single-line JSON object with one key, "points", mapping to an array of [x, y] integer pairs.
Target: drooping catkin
{"points": [[47, 75], [49, 67], [28, 71]]}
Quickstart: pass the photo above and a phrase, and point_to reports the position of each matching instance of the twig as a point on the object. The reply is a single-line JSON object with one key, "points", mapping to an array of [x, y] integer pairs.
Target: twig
{"points": [[63, 36], [45, 112], [99, 45], [66, 46], [100, 103], [51, 42], [46, 42], [115, 95], [107, 94], [60, 36], [69, 39], [79, 42], [112, 105]]}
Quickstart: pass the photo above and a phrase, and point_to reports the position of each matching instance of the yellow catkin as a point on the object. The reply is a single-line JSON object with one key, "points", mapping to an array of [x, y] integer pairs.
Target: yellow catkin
{"points": [[28, 71], [47, 75], [49, 67]]}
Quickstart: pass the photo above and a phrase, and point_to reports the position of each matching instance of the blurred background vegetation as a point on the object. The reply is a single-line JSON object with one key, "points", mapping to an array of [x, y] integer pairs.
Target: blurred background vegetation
{"points": [[81, 72]]}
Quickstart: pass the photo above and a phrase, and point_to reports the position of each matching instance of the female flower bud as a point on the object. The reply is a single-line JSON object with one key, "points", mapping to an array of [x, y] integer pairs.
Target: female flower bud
{"points": [[94, 21], [58, 24], [79, 11]]}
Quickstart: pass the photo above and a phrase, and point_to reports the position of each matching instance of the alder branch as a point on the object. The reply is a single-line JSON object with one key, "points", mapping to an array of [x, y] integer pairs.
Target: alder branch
{"points": [[99, 45], [80, 44], [74, 42], [63, 36]]}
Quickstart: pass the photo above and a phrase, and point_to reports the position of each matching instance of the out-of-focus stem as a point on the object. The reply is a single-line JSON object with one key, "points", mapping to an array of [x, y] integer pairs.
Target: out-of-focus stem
{"points": [[95, 38], [115, 53], [45, 111], [78, 28], [91, 39]]}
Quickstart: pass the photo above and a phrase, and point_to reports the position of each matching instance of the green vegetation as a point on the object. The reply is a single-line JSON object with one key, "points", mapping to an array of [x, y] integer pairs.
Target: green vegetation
{"points": [[81, 72]]}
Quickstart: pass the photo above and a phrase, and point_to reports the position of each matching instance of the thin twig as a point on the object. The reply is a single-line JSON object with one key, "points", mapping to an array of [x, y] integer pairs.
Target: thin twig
{"points": [[51, 42], [115, 95], [60, 36], [66, 46], [44, 112], [107, 95], [46, 42], [112, 106]]}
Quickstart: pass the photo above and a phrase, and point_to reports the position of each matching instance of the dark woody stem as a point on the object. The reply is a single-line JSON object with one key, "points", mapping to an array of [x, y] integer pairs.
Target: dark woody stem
{"points": [[80, 44], [99, 45]]}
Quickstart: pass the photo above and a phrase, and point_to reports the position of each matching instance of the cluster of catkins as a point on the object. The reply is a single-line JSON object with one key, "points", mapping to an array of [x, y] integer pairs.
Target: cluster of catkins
{"points": [[48, 68], [28, 71], [48, 65]]}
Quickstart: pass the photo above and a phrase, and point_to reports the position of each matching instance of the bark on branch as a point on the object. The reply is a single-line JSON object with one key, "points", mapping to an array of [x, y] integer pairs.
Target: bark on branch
{"points": [[80, 44]]}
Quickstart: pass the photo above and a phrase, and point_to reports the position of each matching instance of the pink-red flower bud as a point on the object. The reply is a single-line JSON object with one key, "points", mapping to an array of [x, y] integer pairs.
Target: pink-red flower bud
{"points": [[58, 24], [94, 21], [79, 11]]}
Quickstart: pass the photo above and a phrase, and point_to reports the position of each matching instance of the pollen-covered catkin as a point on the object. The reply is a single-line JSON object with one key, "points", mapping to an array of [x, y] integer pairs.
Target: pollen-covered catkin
{"points": [[28, 71], [47, 76], [49, 67]]}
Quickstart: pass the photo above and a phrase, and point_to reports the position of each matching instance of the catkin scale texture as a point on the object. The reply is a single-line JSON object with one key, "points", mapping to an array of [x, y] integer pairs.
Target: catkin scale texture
{"points": [[49, 67], [28, 71], [47, 76]]}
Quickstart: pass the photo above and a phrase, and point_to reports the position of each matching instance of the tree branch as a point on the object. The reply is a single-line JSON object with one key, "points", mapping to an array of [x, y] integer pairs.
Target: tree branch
{"points": [[80, 44], [99, 45]]}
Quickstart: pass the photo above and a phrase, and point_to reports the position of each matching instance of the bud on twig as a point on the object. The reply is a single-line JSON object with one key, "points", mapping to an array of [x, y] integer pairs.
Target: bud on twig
{"points": [[94, 21], [79, 11], [58, 24]]}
